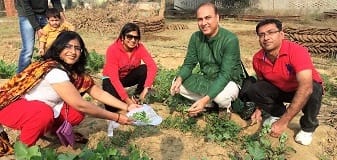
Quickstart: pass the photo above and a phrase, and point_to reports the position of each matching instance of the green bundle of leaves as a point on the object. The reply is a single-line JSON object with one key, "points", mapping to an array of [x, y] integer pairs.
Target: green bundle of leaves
{"points": [[220, 130], [22, 152], [95, 62], [161, 85], [141, 116], [7, 70]]}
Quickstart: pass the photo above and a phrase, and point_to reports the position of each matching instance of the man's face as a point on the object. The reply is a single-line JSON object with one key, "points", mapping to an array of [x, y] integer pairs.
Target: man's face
{"points": [[54, 22], [208, 21], [270, 37]]}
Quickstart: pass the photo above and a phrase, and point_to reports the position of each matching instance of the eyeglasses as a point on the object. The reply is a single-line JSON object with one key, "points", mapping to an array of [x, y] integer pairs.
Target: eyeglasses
{"points": [[268, 33], [70, 46], [130, 37]]}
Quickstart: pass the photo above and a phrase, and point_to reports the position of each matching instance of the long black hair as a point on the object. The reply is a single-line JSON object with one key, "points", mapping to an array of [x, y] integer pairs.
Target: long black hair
{"points": [[59, 45], [129, 27]]}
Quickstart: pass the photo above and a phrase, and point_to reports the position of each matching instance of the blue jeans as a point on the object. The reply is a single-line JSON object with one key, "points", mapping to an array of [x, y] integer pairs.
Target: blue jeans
{"points": [[28, 40]]}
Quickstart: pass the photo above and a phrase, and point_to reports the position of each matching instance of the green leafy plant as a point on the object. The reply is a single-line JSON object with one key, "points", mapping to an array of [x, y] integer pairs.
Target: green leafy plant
{"points": [[141, 116], [220, 130], [95, 62], [7, 70]]}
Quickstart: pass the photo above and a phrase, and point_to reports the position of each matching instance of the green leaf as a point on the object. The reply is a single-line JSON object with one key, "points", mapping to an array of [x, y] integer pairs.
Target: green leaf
{"points": [[257, 151], [22, 152]]}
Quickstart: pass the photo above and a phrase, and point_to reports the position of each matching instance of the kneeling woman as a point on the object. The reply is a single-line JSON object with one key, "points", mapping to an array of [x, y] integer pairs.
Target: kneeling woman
{"points": [[123, 66], [50, 91]]}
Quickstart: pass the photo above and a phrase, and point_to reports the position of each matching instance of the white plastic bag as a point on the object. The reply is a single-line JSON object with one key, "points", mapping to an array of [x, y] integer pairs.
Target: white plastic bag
{"points": [[154, 118], [111, 126]]}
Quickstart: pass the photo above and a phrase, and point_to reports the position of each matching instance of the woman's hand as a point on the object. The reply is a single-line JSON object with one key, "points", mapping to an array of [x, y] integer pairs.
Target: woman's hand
{"points": [[123, 119], [143, 94], [132, 107], [130, 101]]}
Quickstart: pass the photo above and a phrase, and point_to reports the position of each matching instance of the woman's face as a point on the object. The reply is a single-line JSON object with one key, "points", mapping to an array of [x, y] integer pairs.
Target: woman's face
{"points": [[131, 40], [71, 52]]}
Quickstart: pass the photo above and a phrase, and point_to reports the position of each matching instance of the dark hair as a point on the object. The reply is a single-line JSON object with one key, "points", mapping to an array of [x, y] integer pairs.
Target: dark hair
{"points": [[263, 22], [208, 4], [53, 12], [129, 27], [59, 45]]}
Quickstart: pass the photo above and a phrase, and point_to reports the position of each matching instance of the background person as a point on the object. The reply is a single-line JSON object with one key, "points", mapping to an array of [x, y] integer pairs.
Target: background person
{"points": [[123, 66], [285, 73], [32, 17], [54, 27], [218, 54], [45, 87]]}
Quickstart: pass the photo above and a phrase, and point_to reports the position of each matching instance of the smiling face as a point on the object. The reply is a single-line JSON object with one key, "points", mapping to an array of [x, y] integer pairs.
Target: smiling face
{"points": [[208, 20], [130, 40], [71, 52], [270, 37]]}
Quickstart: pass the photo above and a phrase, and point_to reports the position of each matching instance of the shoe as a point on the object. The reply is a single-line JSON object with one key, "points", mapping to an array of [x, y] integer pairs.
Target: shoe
{"points": [[269, 121], [304, 138]]}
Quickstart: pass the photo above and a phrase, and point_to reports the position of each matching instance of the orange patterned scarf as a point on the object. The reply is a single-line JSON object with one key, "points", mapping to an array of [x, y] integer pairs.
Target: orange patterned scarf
{"points": [[22, 82]]}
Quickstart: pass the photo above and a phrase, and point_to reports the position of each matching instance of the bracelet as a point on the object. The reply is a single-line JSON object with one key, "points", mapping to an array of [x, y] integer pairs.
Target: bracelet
{"points": [[118, 117]]}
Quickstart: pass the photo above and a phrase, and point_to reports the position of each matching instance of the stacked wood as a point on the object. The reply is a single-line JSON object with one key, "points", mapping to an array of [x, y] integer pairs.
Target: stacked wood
{"points": [[112, 18], [154, 24], [331, 14], [176, 26], [321, 41], [257, 18]]}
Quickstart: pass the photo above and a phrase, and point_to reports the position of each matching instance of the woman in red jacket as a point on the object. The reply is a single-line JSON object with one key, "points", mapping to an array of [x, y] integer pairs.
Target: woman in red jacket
{"points": [[123, 67]]}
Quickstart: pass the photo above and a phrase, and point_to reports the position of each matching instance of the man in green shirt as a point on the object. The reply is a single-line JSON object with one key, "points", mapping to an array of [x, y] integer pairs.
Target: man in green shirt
{"points": [[218, 53]]}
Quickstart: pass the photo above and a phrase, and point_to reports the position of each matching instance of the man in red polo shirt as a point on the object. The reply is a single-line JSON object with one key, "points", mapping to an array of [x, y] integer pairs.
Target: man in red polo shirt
{"points": [[285, 73]]}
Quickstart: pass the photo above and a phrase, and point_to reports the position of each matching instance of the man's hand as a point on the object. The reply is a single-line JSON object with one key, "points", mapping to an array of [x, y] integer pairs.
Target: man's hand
{"points": [[175, 88], [256, 116], [198, 106], [278, 127]]}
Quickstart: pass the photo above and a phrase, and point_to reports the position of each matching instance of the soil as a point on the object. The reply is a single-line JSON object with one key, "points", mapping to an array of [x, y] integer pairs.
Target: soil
{"points": [[168, 49]]}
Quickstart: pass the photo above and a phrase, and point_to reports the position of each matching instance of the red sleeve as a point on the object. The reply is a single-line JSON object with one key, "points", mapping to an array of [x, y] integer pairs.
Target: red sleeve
{"points": [[150, 66], [111, 70]]}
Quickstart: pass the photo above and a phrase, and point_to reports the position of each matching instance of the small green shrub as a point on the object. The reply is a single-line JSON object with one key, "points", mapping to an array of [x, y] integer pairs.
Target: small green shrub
{"points": [[95, 62], [7, 70]]}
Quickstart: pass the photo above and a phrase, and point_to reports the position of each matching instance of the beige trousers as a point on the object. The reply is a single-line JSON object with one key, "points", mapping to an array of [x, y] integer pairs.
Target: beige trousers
{"points": [[223, 99]]}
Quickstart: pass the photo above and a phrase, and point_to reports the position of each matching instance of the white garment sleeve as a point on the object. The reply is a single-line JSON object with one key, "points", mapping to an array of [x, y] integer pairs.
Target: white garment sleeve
{"points": [[56, 76]]}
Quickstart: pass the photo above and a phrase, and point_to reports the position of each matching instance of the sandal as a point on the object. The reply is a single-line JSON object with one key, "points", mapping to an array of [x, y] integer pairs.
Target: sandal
{"points": [[5, 147], [79, 138]]}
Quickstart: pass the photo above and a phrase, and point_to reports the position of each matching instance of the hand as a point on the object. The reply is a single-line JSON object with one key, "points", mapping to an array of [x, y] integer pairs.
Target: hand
{"points": [[256, 116], [40, 33], [175, 88], [133, 106], [196, 108], [278, 127], [41, 51], [123, 119], [130, 101], [143, 94]]}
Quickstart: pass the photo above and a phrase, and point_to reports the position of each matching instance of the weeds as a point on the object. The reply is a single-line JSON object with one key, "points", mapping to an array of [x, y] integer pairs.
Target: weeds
{"points": [[95, 62], [7, 70], [102, 151]]}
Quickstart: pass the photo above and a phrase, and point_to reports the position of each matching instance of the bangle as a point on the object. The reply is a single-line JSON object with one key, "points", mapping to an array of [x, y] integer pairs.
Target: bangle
{"points": [[118, 117]]}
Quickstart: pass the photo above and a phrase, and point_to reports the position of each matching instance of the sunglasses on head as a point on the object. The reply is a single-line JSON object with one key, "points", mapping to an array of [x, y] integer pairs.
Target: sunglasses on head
{"points": [[130, 37]]}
